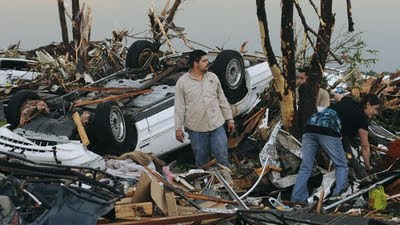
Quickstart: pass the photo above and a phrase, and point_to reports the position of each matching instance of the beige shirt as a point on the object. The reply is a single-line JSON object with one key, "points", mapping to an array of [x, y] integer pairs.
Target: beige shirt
{"points": [[200, 105], [323, 99]]}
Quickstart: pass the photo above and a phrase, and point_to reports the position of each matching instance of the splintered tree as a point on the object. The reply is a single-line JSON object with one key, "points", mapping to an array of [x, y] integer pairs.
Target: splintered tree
{"points": [[81, 25], [285, 77]]}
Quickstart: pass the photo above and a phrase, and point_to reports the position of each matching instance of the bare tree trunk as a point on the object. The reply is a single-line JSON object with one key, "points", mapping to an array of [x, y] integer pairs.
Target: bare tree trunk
{"points": [[76, 22], [309, 91], [86, 24], [349, 16], [63, 23], [76, 34], [281, 83], [288, 56]]}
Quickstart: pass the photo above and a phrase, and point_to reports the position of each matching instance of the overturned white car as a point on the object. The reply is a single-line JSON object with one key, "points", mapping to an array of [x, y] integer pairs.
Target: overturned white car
{"points": [[144, 122]]}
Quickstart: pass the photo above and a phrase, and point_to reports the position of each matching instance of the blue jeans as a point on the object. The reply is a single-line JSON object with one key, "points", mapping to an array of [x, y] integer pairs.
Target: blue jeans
{"points": [[333, 147], [204, 143]]}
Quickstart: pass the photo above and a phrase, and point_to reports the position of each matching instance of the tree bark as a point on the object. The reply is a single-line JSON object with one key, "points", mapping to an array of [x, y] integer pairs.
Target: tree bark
{"points": [[288, 48], [349, 16], [86, 24], [76, 34], [63, 23], [281, 84], [172, 11], [76, 22], [308, 92]]}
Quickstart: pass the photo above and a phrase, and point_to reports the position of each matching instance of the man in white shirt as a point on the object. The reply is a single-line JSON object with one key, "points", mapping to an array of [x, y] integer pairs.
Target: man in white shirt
{"points": [[323, 99], [202, 109]]}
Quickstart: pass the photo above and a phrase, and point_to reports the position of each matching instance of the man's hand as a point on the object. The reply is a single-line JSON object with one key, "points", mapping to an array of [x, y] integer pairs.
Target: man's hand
{"points": [[179, 135], [231, 126]]}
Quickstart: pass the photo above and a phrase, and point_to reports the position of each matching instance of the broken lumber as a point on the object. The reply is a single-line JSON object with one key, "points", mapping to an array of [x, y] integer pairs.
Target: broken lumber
{"points": [[110, 90], [269, 168], [133, 210], [172, 208], [187, 195], [81, 129], [164, 33], [112, 98]]}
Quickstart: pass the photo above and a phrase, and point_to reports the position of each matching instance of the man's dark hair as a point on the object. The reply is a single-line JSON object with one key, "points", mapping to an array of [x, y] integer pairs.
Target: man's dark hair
{"points": [[195, 56], [304, 70], [372, 99]]}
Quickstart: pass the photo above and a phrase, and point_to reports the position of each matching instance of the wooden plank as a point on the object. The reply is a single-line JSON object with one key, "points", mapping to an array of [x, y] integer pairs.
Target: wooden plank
{"points": [[172, 208], [142, 193], [132, 210], [158, 196], [81, 129], [124, 201]]}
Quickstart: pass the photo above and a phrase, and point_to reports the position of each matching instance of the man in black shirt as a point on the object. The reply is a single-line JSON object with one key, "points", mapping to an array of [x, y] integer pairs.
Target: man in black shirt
{"points": [[326, 128]]}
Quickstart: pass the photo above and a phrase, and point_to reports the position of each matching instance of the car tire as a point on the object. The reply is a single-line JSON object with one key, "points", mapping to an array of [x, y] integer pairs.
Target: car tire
{"points": [[114, 131], [229, 67], [139, 52], [13, 112]]}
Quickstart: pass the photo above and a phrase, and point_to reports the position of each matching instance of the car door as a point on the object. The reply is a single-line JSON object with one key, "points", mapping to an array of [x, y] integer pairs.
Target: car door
{"points": [[162, 129]]}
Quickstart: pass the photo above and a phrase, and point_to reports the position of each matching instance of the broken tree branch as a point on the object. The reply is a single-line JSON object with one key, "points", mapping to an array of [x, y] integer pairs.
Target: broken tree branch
{"points": [[165, 9], [319, 38], [181, 35], [157, 19], [315, 8], [172, 11], [155, 29], [113, 98]]}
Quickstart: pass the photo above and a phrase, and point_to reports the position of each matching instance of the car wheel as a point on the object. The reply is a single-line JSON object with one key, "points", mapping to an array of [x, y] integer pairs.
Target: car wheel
{"points": [[114, 131], [229, 67], [139, 53], [13, 112]]}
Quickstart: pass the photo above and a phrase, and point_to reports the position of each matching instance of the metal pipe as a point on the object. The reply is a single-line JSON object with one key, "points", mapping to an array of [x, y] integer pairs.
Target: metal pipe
{"points": [[326, 208], [230, 190], [258, 180]]}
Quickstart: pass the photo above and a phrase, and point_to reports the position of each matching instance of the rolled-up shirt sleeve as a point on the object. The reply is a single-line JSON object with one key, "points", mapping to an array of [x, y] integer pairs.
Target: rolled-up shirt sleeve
{"points": [[179, 113], [223, 103]]}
